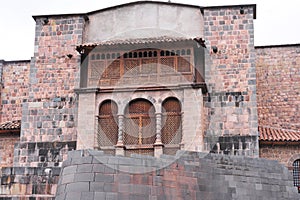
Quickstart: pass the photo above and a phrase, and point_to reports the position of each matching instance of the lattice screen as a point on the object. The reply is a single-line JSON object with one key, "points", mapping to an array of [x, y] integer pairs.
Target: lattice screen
{"points": [[139, 123], [149, 66], [131, 67], [171, 122], [107, 124], [167, 65], [183, 64], [296, 174], [113, 70]]}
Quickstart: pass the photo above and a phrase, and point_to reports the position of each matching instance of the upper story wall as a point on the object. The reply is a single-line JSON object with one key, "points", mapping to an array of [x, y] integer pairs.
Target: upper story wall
{"points": [[14, 89], [144, 20], [54, 73], [230, 73], [278, 86]]}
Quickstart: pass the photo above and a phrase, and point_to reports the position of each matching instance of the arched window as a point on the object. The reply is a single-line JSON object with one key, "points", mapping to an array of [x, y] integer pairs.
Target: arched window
{"points": [[139, 123], [171, 133], [296, 174], [108, 124]]}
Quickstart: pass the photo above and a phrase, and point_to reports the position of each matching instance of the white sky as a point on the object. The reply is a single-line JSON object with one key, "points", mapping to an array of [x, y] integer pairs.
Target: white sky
{"points": [[277, 21]]}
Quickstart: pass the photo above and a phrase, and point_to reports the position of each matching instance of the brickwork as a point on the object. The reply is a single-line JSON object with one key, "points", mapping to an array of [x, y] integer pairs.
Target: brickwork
{"points": [[50, 113], [282, 153], [230, 72], [7, 142], [14, 91], [93, 175], [278, 86]]}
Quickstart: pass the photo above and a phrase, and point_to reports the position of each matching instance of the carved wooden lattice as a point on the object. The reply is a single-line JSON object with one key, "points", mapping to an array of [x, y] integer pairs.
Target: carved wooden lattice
{"points": [[139, 123], [113, 70], [107, 124], [171, 122], [107, 68], [183, 64], [97, 69], [167, 65], [131, 67], [149, 66]]}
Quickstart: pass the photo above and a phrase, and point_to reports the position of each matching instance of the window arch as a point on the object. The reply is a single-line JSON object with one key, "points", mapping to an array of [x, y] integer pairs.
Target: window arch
{"points": [[140, 123], [171, 132], [107, 124], [296, 173]]}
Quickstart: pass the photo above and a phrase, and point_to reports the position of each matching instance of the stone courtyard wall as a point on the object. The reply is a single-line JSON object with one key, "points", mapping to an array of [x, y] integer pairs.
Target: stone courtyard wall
{"points": [[188, 175]]}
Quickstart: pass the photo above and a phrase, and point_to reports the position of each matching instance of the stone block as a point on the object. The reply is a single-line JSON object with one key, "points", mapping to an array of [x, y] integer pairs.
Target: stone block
{"points": [[100, 195], [81, 177], [84, 168], [87, 196], [97, 186], [78, 186], [70, 169], [73, 195], [106, 178]]}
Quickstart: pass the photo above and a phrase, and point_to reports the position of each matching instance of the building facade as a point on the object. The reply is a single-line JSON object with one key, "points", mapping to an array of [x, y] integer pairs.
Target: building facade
{"points": [[181, 77]]}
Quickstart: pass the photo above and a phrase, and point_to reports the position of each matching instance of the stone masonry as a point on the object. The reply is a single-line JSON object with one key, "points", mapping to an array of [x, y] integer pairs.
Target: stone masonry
{"points": [[285, 154], [51, 109], [246, 86], [7, 144], [188, 175], [278, 82], [230, 73], [14, 91]]}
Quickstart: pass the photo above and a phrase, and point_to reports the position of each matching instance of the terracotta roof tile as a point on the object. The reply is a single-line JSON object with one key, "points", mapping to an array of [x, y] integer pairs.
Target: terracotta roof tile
{"points": [[277, 134], [11, 125], [142, 41]]}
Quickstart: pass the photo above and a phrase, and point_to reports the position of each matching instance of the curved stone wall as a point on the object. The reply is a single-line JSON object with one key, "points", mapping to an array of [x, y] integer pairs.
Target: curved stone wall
{"points": [[89, 174]]}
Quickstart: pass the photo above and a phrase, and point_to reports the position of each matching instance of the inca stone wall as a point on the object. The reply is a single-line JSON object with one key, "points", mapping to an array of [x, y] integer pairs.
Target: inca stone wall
{"points": [[230, 73], [190, 175], [278, 83], [14, 91], [53, 77], [28, 182]]}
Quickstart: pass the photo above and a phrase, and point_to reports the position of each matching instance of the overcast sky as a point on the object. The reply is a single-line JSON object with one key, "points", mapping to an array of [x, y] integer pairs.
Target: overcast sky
{"points": [[277, 21]]}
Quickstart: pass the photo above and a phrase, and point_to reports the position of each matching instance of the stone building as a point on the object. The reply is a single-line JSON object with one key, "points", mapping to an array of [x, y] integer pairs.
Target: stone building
{"points": [[181, 77]]}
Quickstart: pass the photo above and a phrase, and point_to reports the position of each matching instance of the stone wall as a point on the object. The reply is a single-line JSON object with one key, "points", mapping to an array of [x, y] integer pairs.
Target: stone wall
{"points": [[14, 82], [7, 143], [42, 154], [285, 154], [54, 73], [230, 72], [278, 86], [189, 175], [28, 182]]}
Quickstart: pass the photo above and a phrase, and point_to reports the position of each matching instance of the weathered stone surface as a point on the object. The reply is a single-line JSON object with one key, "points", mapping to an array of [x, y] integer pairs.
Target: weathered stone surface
{"points": [[189, 176]]}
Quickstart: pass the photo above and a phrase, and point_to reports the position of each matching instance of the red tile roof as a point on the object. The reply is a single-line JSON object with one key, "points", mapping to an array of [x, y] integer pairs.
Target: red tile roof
{"points": [[278, 135], [11, 125], [142, 41]]}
